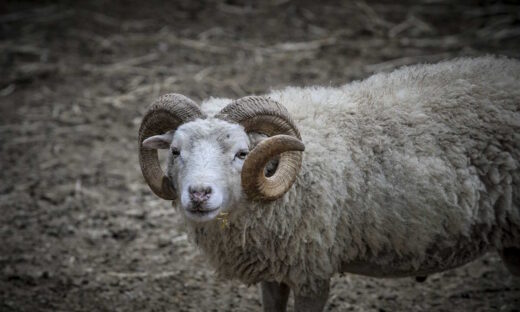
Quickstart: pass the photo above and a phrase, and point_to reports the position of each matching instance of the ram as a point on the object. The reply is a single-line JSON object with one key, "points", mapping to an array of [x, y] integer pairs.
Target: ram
{"points": [[403, 174]]}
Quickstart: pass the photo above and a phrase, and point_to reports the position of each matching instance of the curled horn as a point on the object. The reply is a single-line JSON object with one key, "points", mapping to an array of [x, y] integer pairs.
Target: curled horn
{"points": [[167, 113], [260, 114]]}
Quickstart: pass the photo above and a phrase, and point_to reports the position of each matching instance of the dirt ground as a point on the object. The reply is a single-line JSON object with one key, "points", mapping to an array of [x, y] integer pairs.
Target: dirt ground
{"points": [[79, 228]]}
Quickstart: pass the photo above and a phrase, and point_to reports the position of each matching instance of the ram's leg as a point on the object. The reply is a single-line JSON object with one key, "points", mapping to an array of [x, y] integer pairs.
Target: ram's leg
{"points": [[511, 258], [312, 302], [274, 296]]}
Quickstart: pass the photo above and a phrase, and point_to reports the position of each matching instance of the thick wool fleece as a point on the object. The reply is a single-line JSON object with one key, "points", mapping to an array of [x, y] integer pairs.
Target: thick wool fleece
{"points": [[410, 172]]}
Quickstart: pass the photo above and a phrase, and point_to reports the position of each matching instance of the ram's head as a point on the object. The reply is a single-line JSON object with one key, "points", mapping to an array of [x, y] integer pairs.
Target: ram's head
{"points": [[212, 162]]}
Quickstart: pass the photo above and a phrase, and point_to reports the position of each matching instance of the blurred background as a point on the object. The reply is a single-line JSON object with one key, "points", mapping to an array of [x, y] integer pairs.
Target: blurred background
{"points": [[79, 228]]}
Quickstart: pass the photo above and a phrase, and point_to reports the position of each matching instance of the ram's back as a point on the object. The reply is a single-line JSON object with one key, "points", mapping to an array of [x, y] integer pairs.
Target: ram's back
{"points": [[421, 163]]}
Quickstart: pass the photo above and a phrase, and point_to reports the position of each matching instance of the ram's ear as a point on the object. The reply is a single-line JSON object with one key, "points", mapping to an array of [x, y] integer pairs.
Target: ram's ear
{"points": [[162, 141]]}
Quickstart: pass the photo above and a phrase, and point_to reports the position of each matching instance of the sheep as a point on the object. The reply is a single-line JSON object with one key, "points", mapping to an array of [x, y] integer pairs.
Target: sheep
{"points": [[406, 173]]}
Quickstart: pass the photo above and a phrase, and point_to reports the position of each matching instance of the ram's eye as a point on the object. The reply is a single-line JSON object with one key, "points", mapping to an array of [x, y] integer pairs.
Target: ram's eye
{"points": [[241, 154], [176, 152]]}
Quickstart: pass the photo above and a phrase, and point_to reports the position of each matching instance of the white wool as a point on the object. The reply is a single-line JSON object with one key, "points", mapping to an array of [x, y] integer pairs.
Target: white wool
{"points": [[408, 172]]}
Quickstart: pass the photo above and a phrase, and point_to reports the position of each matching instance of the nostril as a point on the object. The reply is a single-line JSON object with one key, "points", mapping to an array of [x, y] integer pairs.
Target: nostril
{"points": [[200, 189], [200, 193]]}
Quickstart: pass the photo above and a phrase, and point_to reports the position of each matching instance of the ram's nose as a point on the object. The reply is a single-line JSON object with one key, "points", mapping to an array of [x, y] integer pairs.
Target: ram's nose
{"points": [[200, 193]]}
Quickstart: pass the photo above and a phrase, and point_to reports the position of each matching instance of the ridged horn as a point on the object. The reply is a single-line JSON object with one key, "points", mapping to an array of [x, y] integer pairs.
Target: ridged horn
{"points": [[263, 115], [166, 113]]}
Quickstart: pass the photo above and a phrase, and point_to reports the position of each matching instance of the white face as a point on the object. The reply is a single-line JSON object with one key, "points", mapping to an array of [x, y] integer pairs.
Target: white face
{"points": [[205, 160]]}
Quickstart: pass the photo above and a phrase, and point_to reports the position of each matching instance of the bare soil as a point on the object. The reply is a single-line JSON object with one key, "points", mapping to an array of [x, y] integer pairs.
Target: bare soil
{"points": [[79, 228]]}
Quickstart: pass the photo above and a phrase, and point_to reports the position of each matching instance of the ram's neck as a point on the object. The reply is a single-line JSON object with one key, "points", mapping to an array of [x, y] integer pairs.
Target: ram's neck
{"points": [[267, 241]]}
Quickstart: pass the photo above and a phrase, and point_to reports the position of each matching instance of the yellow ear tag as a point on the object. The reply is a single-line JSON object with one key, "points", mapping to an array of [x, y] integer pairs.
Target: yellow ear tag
{"points": [[223, 219]]}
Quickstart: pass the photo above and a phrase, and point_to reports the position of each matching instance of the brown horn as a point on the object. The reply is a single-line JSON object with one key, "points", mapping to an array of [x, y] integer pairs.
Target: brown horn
{"points": [[260, 114], [167, 113]]}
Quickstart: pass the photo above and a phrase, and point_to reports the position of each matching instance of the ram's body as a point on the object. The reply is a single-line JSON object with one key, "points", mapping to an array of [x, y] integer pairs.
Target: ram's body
{"points": [[406, 173]]}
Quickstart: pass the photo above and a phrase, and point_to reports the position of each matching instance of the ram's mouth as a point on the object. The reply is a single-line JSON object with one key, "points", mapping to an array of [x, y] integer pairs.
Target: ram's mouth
{"points": [[201, 214], [201, 211]]}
